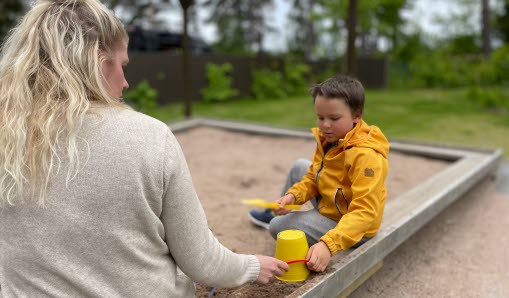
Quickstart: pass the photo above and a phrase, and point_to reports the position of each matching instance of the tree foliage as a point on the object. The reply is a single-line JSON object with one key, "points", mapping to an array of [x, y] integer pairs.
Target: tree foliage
{"points": [[303, 36], [10, 10], [377, 20], [390, 21], [136, 11], [241, 24], [502, 24]]}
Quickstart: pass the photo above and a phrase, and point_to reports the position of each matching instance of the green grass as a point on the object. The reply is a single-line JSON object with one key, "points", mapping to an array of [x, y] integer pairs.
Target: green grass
{"points": [[437, 115]]}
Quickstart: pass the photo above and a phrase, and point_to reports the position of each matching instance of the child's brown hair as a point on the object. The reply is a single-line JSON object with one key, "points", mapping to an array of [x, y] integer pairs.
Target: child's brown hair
{"points": [[342, 87]]}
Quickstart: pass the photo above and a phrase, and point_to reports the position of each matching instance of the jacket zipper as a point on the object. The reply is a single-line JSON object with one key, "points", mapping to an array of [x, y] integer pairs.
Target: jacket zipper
{"points": [[323, 160]]}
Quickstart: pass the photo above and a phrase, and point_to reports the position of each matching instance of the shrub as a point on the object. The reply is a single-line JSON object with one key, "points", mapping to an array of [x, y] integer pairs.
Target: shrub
{"points": [[333, 69], [441, 68], [500, 64], [296, 78], [142, 98], [267, 84], [487, 98], [220, 83]]}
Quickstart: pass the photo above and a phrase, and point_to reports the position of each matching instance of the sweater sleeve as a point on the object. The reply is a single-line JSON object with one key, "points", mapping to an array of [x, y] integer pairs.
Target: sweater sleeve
{"points": [[191, 243]]}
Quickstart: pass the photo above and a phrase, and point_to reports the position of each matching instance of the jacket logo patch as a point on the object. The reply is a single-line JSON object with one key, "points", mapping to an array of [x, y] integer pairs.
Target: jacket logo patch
{"points": [[369, 172]]}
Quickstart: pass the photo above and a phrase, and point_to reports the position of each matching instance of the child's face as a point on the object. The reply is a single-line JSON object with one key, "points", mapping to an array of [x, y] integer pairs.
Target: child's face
{"points": [[334, 118]]}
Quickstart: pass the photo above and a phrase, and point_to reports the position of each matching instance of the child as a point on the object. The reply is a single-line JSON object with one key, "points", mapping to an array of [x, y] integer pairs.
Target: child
{"points": [[345, 180]]}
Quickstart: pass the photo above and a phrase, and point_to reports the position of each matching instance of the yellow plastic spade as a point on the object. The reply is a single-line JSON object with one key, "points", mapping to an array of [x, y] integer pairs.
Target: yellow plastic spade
{"points": [[264, 204]]}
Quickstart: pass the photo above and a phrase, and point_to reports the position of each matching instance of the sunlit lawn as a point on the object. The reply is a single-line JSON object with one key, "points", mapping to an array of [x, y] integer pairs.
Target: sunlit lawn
{"points": [[439, 116]]}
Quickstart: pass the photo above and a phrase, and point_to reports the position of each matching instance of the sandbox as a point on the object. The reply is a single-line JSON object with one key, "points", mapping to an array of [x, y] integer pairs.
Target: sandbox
{"points": [[231, 161]]}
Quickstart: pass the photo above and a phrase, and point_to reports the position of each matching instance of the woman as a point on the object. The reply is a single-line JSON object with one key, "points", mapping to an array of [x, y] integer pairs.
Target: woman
{"points": [[95, 199]]}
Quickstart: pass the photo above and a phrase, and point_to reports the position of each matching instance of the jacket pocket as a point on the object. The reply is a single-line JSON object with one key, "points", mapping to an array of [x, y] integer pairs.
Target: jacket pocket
{"points": [[340, 200]]}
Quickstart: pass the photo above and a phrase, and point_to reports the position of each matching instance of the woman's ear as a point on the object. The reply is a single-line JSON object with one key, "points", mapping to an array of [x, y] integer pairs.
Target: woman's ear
{"points": [[102, 55]]}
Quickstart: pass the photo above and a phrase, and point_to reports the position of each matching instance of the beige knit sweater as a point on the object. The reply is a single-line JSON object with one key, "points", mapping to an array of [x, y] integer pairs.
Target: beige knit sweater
{"points": [[129, 225]]}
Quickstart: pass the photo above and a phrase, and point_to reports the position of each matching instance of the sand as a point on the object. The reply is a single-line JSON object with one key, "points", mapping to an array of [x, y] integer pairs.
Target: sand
{"points": [[454, 255]]}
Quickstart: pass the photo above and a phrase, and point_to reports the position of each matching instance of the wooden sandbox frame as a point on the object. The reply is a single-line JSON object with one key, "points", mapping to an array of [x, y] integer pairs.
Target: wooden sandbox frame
{"points": [[402, 217]]}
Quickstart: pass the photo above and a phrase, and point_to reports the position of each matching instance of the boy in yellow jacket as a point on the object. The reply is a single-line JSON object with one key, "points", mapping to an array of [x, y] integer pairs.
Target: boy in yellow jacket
{"points": [[345, 180]]}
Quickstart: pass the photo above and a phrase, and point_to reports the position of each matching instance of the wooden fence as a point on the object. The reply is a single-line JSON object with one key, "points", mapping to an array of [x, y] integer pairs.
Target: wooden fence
{"points": [[163, 70]]}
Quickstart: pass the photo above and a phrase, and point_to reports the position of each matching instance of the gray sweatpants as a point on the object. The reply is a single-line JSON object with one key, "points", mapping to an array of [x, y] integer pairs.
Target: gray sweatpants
{"points": [[311, 222]]}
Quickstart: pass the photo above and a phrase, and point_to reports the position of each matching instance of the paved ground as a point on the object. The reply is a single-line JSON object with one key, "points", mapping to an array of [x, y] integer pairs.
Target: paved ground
{"points": [[461, 253]]}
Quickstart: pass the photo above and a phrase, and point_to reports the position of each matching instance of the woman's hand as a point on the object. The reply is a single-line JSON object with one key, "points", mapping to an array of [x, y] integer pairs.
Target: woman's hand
{"points": [[319, 257], [270, 268], [288, 199]]}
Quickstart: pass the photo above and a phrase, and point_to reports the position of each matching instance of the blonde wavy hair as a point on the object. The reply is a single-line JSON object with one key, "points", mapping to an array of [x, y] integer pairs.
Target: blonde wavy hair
{"points": [[50, 76]]}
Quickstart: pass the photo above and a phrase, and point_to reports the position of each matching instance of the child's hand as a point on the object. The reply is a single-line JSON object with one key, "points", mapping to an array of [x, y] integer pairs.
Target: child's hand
{"points": [[319, 257], [288, 199]]}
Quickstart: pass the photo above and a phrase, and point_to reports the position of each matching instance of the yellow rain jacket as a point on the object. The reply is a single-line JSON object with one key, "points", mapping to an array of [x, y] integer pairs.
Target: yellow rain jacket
{"points": [[349, 181]]}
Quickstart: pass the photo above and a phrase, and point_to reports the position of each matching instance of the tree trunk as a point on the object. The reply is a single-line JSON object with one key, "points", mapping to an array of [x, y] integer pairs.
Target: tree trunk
{"points": [[486, 28], [186, 60], [351, 59], [310, 33]]}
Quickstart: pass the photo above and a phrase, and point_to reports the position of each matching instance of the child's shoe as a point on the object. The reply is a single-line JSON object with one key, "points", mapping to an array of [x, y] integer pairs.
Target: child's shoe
{"points": [[261, 218]]}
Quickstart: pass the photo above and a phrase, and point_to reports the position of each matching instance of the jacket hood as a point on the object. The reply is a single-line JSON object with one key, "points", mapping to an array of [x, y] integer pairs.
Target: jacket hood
{"points": [[362, 135]]}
